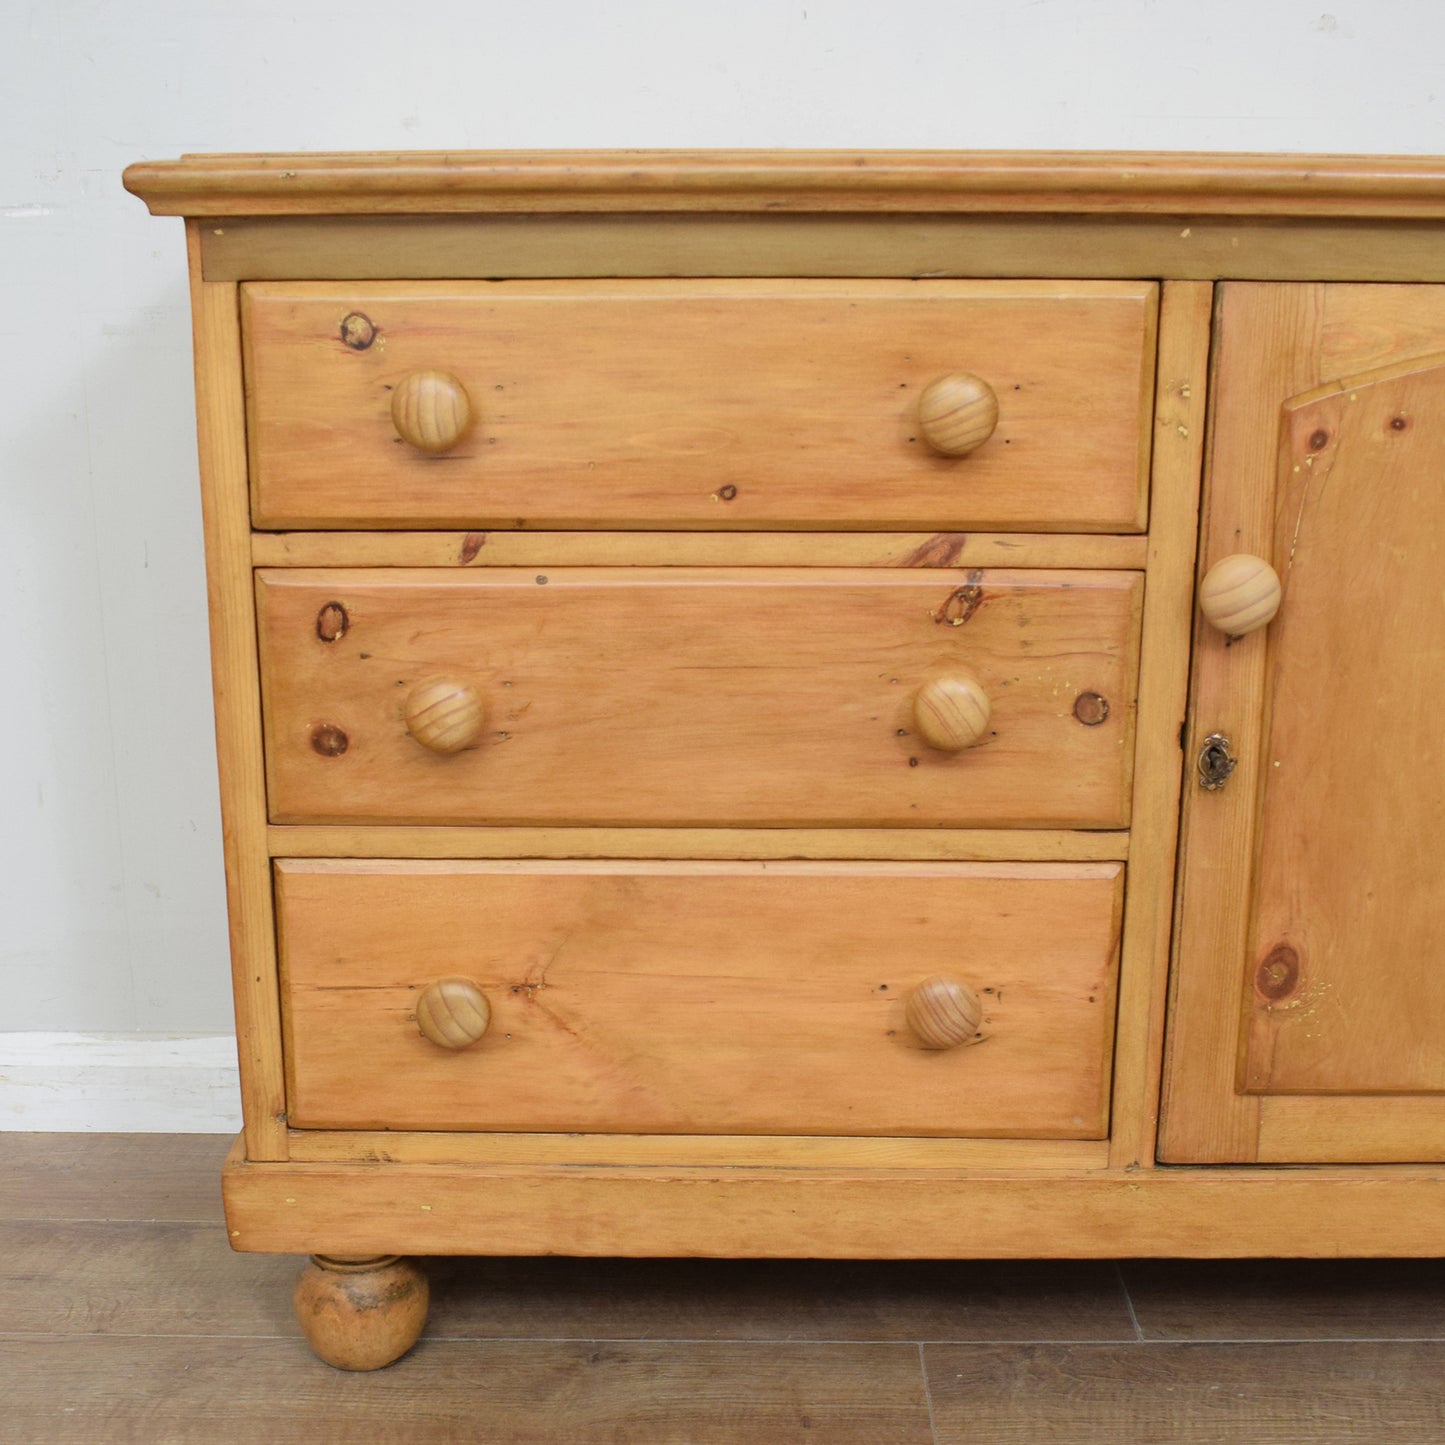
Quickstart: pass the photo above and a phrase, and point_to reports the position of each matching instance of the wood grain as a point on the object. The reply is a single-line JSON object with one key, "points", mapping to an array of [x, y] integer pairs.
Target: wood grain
{"points": [[952, 711], [137, 1277], [1184, 246], [1239, 594], [943, 1012], [1179, 423], [715, 427], [707, 697], [1349, 890], [1281, 344], [696, 549], [1272, 1300], [133, 1332], [429, 409], [452, 1013], [970, 845], [1268, 344], [111, 1176], [1341, 1394], [744, 1150], [632, 998], [376, 183], [649, 403], [156, 1391], [717, 1212], [444, 714], [957, 413], [235, 681], [361, 1314], [1338, 1128]]}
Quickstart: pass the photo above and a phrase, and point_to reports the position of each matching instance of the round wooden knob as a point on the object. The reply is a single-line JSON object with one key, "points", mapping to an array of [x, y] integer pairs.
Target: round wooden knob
{"points": [[453, 1012], [445, 714], [952, 712], [1240, 593], [957, 413], [943, 1012], [430, 409]]}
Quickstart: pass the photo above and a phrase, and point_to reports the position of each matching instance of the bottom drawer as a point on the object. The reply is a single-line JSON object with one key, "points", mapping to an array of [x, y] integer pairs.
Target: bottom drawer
{"points": [[689, 997]]}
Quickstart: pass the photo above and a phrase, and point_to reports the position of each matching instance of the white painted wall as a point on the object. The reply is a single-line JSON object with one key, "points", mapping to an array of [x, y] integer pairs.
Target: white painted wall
{"points": [[110, 892]]}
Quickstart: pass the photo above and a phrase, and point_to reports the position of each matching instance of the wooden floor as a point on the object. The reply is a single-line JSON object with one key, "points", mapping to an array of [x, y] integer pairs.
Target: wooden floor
{"points": [[125, 1317]]}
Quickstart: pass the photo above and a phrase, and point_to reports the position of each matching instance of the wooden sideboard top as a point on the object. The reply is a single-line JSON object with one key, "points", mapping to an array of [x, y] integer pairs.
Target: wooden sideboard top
{"points": [[980, 182]]}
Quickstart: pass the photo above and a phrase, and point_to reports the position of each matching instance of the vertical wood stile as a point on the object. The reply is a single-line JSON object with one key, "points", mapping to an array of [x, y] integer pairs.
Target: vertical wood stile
{"points": [[1179, 413], [221, 437], [1268, 349]]}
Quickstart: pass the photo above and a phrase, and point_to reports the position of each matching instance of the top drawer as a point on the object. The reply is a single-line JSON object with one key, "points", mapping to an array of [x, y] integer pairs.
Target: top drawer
{"points": [[720, 404]]}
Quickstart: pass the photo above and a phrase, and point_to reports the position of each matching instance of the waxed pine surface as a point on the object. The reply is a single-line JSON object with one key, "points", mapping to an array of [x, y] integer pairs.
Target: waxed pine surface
{"points": [[700, 697], [695, 403], [638, 1035], [1329, 1090], [124, 1317]]}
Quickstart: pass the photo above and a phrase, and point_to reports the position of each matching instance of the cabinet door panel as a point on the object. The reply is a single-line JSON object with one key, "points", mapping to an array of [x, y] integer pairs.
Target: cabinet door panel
{"points": [[1308, 995], [1348, 898]]}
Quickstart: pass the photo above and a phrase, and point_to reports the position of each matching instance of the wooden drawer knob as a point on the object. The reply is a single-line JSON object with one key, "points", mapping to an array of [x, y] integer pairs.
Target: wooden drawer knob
{"points": [[943, 1012], [453, 1012], [957, 413], [1240, 593], [952, 713], [430, 409], [445, 714]]}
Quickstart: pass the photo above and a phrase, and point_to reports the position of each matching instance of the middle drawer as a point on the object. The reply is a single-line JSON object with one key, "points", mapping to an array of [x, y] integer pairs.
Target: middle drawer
{"points": [[694, 697]]}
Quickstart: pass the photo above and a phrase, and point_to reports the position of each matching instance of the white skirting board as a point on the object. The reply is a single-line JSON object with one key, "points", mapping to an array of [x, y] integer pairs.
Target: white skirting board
{"points": [[119, 1083]]}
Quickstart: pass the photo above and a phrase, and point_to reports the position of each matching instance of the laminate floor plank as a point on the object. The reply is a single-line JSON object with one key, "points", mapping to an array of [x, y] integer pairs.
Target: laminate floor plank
{"points": [[125, 1316], [1293, 1299], [138, 1278], [111, 1176], [135, 1278], [1323, 1392], [168, 1391], [902, 1300]]}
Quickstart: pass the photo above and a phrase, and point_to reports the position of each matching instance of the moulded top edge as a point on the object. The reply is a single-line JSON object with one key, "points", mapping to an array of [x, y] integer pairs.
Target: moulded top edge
{"points": [[1000, 182]]}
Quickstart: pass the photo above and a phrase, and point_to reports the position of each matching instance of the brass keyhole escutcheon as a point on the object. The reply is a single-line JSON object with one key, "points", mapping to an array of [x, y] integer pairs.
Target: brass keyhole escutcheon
{"points": [[1216, 762]]}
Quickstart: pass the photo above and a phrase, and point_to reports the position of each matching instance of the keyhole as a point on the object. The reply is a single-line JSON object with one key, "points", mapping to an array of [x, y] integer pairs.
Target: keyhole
{"points": [[1215, 762]]}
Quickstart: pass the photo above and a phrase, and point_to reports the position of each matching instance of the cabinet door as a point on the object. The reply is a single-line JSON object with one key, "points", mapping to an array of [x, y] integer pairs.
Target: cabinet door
{"points": [[1308, 1010]]}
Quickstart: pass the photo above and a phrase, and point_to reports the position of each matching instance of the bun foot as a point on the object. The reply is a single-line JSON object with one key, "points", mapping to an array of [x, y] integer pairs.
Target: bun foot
{"points": [[361, 1314]]}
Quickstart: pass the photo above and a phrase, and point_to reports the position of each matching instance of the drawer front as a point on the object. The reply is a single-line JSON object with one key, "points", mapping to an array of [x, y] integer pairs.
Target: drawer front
{"points": [[699, 998], [696, 697], [695, 404]]}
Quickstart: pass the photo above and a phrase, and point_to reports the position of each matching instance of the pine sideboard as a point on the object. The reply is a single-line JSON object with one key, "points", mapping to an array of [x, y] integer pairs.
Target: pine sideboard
{"points": [[819, 704]]}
